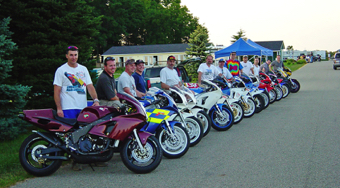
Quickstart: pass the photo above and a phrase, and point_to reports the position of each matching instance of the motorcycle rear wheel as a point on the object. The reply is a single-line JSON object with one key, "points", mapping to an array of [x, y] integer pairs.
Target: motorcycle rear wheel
{"points": [[205, 121], [222, 123], [137, 161], [31, 162], [174, 147]]}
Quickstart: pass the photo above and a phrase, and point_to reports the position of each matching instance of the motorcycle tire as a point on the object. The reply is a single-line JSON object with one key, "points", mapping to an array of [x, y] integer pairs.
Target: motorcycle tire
{"points": [[222, 123], [140, 162], [195, 130], [295, 86], [285, 90], [205, 121], [249, 108], [238, 112], [279, 93], [259, 103], [29, 161], [265, 96], [272, 96], [173, 147]]}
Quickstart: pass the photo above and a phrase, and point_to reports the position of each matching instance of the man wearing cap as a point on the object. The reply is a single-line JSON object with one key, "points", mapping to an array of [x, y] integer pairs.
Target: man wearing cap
{"points": [[225, 72], [248, 67], [233, 65], [207, 71], [126, 83], [138, 76], [106, 85], [169, 76]]}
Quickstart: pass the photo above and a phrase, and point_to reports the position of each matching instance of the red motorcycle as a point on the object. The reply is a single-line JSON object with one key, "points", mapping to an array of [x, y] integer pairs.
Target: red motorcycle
{"points": [[267, 84], [96, 134]]}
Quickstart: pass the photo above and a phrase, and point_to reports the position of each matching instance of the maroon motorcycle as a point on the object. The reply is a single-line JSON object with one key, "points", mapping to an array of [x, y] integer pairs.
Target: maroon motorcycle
{"points": [[96, 134]]}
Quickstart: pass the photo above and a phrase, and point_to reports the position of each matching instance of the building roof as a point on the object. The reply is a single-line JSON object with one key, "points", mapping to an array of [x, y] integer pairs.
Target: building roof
{"points": [[145, 49], [272, 45]]}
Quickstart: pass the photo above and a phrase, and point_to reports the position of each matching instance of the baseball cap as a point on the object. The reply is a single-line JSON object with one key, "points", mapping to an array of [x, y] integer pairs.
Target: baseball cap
{"points": [[139, 61], [245, 56], [171, 58], [221, 60], [129, 61]]}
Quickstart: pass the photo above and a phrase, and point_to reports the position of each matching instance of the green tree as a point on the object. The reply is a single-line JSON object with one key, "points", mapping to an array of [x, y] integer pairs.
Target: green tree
{"points": [[290, 50], [43, 29], [198, 48], [12, 96], [240, 34]]}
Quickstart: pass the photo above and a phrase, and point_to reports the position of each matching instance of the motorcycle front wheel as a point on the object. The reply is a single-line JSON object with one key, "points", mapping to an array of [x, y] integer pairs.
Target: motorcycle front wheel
{"points": [[265, 96], [279, 93], [249, 108], [259, 103], [176, 145], [285, 90], [272, 96], [195, 130], [138, 161], [238, 112], [224, 121], [32, 162], [295, 86], [205, 121]]}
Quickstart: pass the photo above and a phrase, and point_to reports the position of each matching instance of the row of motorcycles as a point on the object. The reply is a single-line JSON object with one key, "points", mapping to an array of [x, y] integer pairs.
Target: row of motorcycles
{"points": [[163, 123]]}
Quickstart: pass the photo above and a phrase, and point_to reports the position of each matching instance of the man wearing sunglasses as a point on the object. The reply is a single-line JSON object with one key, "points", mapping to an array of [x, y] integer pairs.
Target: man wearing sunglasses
{"points": [[70, 83], [106, 85]]}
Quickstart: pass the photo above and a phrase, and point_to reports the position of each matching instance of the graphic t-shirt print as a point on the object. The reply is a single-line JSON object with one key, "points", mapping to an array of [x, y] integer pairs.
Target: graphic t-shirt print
{"points": [[78, 84], [233, 67]]}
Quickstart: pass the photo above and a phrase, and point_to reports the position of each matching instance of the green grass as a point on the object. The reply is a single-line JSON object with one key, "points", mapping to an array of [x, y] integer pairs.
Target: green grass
{"points": [[11, 170], [294, 67]]}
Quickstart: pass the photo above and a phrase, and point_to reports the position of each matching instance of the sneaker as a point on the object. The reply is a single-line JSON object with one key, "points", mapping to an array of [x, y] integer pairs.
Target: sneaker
{"points": [[77, 167], [101, 164]]}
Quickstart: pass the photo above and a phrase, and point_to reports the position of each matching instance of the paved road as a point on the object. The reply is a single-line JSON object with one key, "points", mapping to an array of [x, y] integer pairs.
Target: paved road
{"points": [[295, 142]]}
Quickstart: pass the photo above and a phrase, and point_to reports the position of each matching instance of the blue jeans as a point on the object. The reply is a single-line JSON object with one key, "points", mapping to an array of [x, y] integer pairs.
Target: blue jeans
{"points": [[71, 113]]}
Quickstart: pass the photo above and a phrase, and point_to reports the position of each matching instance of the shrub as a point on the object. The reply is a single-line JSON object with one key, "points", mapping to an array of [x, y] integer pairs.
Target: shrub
{"points": [[290, 61], [301, 61]]}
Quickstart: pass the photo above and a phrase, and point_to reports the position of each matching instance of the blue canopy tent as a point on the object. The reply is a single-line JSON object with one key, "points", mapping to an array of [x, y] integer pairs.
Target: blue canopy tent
{"points": [[264, 51], [241, 47]]}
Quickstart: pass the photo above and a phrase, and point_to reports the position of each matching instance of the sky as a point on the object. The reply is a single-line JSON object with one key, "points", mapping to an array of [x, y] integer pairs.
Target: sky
{"points": [[303, 24]]}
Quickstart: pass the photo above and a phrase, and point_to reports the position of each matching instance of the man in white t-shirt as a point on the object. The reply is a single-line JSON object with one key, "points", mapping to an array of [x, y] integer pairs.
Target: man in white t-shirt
{"points": [[248, 67], [169, 76], [126, 82], [70, 83], [225, 72], [207, 71], [256, 66]]}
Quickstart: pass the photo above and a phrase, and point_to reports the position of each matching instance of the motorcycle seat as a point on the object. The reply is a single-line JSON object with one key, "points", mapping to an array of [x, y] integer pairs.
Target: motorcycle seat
{"points": [[68, 121]]}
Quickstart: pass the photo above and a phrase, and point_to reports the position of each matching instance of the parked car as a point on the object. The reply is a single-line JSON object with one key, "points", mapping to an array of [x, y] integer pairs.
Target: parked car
{"points": [[336, 60], [153, 79]]}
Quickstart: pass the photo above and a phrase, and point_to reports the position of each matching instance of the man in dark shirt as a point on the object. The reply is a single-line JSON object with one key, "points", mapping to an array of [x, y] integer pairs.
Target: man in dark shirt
{"points": [[106, 86], [139, 78]]}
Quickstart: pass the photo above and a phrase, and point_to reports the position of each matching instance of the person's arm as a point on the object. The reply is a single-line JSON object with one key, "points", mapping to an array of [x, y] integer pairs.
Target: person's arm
{"points": [[270, 67], [165, 86], [57, 91], [127, 90], [93, 94], [139, 94], [199, 77]]}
